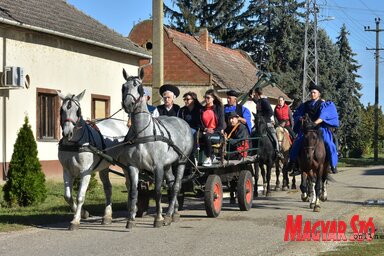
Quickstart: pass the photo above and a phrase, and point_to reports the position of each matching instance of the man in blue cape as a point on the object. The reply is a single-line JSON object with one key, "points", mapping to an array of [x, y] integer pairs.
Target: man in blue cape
{"points": [[323, 114]]}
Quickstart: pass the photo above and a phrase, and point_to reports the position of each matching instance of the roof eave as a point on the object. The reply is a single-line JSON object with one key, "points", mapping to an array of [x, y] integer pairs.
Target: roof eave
{"points": [[76, 38]]}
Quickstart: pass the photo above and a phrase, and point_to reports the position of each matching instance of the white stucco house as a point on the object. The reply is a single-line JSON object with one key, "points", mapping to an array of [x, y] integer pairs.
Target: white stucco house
{"points": [[49, 45]]}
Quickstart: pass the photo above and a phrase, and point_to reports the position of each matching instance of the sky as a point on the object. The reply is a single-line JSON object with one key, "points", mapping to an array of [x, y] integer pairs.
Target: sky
{"points": [[122, 15]]}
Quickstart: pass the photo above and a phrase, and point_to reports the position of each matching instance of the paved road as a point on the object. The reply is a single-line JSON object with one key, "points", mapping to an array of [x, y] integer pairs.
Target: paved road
{"points": [[259, 231]]}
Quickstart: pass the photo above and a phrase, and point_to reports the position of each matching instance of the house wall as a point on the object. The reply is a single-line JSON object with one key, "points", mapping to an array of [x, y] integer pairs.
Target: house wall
{"points": [[57, 63]]}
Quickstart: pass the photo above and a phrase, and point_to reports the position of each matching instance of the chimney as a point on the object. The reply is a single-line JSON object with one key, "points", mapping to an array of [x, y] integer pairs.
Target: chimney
{"points": [[204, 38]]}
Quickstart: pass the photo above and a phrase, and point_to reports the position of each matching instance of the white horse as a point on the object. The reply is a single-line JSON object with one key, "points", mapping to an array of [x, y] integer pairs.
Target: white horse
{"points": [[156, 146], [78, 160]]}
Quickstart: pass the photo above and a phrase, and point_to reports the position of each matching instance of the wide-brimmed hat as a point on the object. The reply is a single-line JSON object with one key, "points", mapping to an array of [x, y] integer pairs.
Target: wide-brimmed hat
{"points": [[233, 114], [313, 86], [169, 87], [233, 93]]}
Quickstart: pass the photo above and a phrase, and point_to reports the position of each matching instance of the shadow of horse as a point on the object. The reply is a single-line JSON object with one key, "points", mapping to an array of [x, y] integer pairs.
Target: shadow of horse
{"points": [[266, 155], [314, 164]]}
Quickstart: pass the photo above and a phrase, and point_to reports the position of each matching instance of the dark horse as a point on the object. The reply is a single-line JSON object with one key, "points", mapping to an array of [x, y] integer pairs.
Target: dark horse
{"points": [[266, 154], [314, 164]]}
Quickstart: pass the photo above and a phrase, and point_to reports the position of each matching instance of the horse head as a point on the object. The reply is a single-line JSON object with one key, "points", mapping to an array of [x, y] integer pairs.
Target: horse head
{"points": [[260, 127], [132, 91], [311, 136], [70, 113]]}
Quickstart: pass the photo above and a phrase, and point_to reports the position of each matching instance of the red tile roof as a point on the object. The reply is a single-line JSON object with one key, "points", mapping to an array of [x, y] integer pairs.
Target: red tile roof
{"points": [[230, 69]]}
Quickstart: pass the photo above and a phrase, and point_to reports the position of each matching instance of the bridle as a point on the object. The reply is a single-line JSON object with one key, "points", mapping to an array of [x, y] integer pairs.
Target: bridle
{"points": [[78, 112], [135, 83]]}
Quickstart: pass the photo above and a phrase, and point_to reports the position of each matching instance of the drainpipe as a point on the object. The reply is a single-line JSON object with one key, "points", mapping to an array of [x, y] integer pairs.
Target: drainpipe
{"points": [[5, 95]]}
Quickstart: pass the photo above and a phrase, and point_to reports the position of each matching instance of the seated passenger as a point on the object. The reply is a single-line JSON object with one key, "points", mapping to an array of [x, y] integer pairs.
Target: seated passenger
{"points": [[238, 132], [169, 108], [191, 111], [191, 114], [213, 121], [244, 113]]}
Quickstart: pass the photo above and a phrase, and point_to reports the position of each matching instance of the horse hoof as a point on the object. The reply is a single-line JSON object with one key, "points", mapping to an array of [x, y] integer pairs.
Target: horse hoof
{"points": [[158, 223], [256, 194], [304, 198], [130, 224], [73, 227], [167, 220], [263, 193], [312, 205], [268, 194], [106, 221], [84, 214], [285, 188], [293, 187], [323, 198], [175, 217], [316, 208], [277, 188]]}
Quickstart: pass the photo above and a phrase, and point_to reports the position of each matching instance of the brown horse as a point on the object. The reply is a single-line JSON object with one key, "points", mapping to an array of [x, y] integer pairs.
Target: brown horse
{"points": [[285, 144], [314, 164]]}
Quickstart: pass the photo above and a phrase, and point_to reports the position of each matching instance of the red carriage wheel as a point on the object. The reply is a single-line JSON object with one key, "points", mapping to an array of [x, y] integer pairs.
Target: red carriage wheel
{"points": [[245, 190], [213, 196]]}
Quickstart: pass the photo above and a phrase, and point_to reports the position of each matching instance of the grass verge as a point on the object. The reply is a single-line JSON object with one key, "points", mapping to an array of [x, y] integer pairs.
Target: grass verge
{"points": [[55, 209]]}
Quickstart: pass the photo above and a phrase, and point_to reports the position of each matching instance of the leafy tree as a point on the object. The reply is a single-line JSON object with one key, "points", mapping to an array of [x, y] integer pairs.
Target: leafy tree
{"points": [[348, 96], [26, 181], [219, 17]]}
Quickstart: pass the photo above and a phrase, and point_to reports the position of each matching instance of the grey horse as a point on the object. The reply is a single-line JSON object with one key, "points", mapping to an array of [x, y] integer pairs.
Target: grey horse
{"points": [[160, 146], [78, 160]]}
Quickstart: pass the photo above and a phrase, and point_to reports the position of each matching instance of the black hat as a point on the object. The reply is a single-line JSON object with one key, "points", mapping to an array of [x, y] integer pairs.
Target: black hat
{"points": [[233, 93], [232, 114], [313, 86], [169, 87]]}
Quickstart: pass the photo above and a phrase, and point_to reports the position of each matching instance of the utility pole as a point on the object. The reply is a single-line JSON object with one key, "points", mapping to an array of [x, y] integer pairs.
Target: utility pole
{"points": [[157, 50], [377, 57], [310, 69]]}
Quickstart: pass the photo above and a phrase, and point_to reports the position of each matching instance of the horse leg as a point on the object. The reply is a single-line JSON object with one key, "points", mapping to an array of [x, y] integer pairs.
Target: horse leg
{"points": [[84, 182], [278, 164], [312, 184], [104, 177], [131, 184], [159, 176], [68, 185], [256, 189], [293, 182], [268, 177], [304, 187], [317, 190], [173, 206], [264, 179], [324, 194], [285, 177]]}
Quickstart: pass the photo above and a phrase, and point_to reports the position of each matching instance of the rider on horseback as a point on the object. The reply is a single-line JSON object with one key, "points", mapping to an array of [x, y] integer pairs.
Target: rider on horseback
{"points": [[265, 110], [324, 115]]}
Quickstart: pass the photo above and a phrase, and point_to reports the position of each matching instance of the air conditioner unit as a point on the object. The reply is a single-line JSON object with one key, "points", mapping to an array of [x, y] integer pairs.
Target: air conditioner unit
{"points": [[13, 76]]}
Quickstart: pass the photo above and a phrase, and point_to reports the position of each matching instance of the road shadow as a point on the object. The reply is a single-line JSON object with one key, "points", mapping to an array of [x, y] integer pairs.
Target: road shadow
{"points": [[375, 172]]}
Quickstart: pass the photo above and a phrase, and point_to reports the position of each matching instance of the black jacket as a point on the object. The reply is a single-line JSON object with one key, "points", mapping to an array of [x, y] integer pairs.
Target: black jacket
{"points": [[191, 117], [172, 112]]}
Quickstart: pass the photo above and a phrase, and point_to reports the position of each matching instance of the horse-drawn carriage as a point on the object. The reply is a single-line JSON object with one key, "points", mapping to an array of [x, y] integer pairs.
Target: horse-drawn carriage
{"points": [[154, 149]]}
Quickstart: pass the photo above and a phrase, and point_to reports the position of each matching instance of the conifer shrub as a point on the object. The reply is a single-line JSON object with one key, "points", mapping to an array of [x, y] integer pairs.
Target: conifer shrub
{"points": [[26, 181]]}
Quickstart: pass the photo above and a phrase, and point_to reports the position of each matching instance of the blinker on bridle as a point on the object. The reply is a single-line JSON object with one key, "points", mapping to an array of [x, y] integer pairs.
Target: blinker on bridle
{"points": [[78, 112]]}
